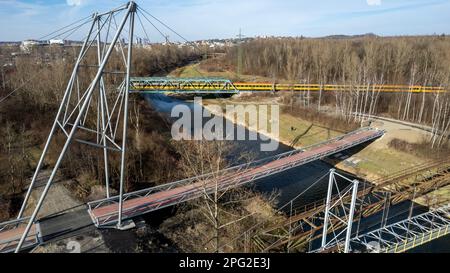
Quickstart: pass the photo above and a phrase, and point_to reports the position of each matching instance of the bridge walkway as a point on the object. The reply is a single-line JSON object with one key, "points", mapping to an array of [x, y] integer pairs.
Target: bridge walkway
{"points": [[105, 212]]}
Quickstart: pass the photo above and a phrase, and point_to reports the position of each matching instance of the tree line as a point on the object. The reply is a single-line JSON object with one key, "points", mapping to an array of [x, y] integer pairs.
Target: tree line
{"points": [[360, 61]]}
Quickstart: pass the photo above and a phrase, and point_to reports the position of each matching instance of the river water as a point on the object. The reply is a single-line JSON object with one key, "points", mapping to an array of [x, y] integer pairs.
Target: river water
{"points": [[289, 184]]}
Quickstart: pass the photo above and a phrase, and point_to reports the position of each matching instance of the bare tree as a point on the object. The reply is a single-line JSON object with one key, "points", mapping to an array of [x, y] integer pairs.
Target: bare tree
{"points": [[219, 196]]}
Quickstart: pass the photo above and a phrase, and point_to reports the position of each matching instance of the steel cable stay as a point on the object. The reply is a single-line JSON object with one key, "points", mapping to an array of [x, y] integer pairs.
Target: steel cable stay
{"points": [[71, 30], [165, 37], [114, 26], [56, 31], [148, 39], [153, 25], [143, 28], [162, 23], [126, 30], [18, 88]]}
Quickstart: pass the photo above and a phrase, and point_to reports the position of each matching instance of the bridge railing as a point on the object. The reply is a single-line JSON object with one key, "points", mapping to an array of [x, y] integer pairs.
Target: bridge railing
{"points": [[408, 233], [230, 177], [10, 234], [234, 169], [167, 84]]}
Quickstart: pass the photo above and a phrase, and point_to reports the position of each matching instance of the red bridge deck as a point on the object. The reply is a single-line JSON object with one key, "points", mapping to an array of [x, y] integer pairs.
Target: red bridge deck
{"points": [[11, 232], [105, 212]]}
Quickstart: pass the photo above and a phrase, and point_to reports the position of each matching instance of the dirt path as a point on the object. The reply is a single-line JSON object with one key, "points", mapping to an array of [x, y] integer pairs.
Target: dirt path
{"points": [[58, 198]]}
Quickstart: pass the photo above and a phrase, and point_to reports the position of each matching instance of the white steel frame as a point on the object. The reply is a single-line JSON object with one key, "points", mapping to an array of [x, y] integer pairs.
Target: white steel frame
{"points": [[335, 207], [407, 234], [76, 105], [182, 85]]}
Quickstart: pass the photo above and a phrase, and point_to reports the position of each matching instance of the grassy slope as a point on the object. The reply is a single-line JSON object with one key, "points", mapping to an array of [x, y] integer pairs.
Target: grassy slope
{"points": [[194, 70], [308, 134]]}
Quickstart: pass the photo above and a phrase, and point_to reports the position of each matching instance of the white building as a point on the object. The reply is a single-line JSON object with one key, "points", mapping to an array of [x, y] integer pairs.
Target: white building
{"points": [[56, 42], [27, 44]]}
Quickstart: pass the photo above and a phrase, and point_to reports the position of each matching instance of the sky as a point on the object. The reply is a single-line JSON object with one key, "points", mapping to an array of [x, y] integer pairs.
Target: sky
{"points": [[206, 19]]}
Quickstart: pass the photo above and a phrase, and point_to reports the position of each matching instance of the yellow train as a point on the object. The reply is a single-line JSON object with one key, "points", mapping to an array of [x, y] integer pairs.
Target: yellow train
{"points": [[245, 86], [219, 85]]}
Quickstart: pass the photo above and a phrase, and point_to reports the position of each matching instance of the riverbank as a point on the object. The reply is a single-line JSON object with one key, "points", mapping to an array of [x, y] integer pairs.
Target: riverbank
{"points": [[375, 160], [290, 127]]}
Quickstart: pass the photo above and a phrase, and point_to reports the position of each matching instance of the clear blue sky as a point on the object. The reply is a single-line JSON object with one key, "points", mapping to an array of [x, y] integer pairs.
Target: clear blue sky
{"points": [[204, 19]]}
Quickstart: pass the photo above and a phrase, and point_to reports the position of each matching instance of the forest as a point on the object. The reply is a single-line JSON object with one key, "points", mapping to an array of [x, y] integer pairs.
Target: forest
{"points": [[365, 61]]}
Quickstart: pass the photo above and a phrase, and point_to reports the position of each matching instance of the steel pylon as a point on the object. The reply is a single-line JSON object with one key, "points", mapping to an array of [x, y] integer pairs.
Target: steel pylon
{"points": [[93, 111], [339, 210]]}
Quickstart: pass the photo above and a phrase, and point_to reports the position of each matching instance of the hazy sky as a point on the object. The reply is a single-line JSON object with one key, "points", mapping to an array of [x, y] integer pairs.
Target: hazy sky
{"points": [[203, 19]]}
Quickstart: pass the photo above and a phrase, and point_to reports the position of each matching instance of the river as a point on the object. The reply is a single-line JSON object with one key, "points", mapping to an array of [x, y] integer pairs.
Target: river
{"points": [[291, 183]]}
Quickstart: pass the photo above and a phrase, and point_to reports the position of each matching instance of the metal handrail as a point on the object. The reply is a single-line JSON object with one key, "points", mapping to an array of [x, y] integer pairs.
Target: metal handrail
{"points": [[239, 167], [439, 219], [238, 179], [13, 223], [169, 185]]}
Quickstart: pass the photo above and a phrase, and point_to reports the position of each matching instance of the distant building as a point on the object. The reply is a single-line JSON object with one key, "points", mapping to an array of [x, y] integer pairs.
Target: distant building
{"points": [[56, 42], [26, 45]]}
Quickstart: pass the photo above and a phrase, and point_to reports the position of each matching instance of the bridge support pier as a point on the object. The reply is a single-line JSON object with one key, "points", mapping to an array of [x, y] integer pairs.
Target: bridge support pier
{"points": [[126, 225]]}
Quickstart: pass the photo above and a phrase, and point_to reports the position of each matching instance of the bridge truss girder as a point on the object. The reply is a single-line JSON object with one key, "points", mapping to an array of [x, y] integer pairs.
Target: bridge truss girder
{"points": [[185, 85], [406, 234]]}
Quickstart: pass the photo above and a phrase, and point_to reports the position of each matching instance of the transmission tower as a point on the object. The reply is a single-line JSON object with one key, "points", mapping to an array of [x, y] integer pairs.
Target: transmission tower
{"points": [[239, 54], [92, 111]]}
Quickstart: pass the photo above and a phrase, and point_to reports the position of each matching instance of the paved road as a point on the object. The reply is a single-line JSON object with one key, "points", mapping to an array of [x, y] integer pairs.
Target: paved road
{"points": [[65, 225], [52, 228]]}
